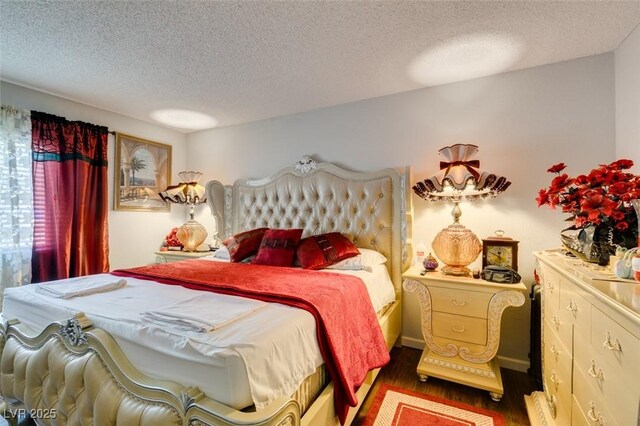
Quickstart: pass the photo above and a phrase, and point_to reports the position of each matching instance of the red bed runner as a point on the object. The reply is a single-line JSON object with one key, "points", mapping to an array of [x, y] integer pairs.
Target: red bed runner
{"points": [[349, 335]]}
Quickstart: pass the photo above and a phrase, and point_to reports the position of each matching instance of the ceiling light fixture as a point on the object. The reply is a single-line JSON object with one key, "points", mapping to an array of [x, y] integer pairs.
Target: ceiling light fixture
{"points": [[464, 58], [184, 119]]}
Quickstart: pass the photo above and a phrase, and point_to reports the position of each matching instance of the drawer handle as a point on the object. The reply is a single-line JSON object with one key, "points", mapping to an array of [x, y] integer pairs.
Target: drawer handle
{"points": [[556, 322], [572, 306], [458, 330], [596, 417], [595, 374], [554, 378], [455, 302], [550, 286], [554, 350], [615, 346]]}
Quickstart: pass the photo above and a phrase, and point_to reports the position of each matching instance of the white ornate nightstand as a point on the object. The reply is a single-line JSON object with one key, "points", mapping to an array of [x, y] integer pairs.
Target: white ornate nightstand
{"points": [[174, 256], [461, 327]]}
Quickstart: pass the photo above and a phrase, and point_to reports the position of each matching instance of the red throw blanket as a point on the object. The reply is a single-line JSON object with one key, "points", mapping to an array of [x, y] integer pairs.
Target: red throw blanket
{"points": [[349, 335]]}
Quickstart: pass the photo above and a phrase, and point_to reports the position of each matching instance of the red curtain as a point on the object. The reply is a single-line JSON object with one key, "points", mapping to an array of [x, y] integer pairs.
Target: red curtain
{"points": [[70, 198]]}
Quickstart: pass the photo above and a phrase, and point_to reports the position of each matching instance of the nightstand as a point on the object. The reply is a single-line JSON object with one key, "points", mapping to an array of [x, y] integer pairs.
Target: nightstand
{"points": [[174, 256], [460, 320]]}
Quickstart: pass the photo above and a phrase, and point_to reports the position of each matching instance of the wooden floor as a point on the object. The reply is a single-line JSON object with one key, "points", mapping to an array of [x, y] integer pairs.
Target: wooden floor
{"points": [[401, 372]]}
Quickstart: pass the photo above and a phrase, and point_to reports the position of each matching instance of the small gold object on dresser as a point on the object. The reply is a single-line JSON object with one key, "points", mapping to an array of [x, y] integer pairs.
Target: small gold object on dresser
{"points": [[460, 319]]}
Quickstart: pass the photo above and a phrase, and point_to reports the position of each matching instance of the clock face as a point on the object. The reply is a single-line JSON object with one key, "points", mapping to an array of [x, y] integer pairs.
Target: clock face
{"points": [[500, 256]]}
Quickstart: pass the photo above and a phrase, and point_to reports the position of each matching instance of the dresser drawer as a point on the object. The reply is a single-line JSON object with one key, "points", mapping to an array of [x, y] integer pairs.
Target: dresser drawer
{"points": [[558, 381], [611, 388], [460, 302], [457, 327], [616, 346], [563, 329], [550, 289], [574, 309], [556, 355], [591, 406]]}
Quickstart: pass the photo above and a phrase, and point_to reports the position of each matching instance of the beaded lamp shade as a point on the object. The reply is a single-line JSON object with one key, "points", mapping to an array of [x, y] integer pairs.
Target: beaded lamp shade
{"points": [[191, 234], [459, 178]]}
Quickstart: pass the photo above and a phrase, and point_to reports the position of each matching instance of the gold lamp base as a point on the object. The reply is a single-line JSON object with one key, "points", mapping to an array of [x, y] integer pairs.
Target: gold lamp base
{"points": [[191, 235], [456, 246]]}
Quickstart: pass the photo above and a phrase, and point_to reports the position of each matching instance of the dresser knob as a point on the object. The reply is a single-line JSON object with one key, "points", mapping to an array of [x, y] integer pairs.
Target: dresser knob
{"points": [[554, 350], [596, 374], [456, 303], [556, 322], [615, 346], [554, 378], [596, 417], [550, 286], [572, 306], [458, 330]]}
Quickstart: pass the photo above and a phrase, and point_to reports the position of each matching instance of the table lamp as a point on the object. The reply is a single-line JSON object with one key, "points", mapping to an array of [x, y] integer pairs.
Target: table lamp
{"points": [[459, 178], [188, 192]]}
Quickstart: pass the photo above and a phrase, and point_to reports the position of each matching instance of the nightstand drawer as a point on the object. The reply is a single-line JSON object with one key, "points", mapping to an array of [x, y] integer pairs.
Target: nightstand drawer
{"points": [[467, 303], [457, 327]]}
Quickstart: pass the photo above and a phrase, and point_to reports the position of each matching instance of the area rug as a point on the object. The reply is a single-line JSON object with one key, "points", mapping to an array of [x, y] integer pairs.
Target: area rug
{"points": [[394, 406]]}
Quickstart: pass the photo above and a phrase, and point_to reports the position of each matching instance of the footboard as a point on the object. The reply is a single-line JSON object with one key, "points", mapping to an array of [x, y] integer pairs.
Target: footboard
{"points": [[73, 373]]}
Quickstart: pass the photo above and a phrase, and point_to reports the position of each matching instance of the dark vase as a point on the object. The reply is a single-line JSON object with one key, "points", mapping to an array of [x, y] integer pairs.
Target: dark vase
{"points": [[591, 244]]}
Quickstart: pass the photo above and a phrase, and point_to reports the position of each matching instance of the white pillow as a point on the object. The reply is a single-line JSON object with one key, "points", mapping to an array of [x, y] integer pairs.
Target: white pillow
{"points": [[222, 253], [362, 262]]}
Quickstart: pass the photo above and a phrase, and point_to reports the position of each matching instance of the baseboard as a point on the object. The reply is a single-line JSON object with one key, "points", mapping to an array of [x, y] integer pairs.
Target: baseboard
{"points": [[513, 363], [504, 361]]}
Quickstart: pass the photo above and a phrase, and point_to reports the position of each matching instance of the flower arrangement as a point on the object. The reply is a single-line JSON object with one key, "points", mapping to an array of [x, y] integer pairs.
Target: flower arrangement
{"points": [[171, 239], [600, 198]]}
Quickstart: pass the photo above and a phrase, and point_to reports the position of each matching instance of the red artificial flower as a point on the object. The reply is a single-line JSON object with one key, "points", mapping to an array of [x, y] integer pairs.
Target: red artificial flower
{"points": [[557, 168], [622, 226], [543, 197], [619, 188], [622, 164], [559, 183], [596, 205]]}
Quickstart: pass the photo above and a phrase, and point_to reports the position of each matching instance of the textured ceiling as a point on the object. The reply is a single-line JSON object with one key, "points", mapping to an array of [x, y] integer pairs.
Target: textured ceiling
{"points": [[243, 61]]}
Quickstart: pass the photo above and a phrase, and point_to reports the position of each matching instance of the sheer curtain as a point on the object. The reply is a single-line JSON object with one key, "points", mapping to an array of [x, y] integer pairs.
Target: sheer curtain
{"points": [[16, 198]]}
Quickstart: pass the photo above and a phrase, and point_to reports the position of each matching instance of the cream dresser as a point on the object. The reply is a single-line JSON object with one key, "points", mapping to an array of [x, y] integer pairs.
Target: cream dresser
{"points": [[460, 320], [590, 346], [175, 256]]}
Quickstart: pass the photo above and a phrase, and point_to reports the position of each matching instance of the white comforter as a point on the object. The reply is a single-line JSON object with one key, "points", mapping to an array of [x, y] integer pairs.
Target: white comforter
{"points": [[277, 343]]}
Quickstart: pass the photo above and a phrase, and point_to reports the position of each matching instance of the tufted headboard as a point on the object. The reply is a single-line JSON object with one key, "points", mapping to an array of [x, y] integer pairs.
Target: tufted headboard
{"points": [[369, 208]]}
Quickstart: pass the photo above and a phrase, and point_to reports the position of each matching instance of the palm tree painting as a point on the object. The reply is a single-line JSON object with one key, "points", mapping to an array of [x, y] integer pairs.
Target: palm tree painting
{"points": [[144, 171], [137, 164]]}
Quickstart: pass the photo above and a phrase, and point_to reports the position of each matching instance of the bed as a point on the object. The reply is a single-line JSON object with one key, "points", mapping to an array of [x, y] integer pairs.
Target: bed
{"points": [[370, 208]]}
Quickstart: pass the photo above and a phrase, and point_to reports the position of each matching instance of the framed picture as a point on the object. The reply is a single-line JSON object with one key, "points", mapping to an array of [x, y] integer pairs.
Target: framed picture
{"points": [[143, 170]]}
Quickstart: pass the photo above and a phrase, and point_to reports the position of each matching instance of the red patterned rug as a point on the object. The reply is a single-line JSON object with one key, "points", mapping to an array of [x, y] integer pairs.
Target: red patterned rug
{"points": [[401, 407]]}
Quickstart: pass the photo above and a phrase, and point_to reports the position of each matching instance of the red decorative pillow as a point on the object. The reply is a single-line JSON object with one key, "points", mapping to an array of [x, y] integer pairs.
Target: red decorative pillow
{"points": [[320, 251], [278, 247], [244, 244]]}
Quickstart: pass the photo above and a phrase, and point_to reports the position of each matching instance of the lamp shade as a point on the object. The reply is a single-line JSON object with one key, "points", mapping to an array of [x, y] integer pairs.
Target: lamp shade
{"points": [[459, 178], [188, 192]]}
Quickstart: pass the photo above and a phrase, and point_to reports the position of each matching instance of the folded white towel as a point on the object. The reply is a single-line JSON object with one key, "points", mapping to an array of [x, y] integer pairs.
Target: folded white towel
{"points": [[81, 286], [202, 313]]}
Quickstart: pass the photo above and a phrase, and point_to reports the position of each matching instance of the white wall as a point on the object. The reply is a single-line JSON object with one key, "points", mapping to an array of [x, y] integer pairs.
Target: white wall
{"points": [[523, 122], [133, 236], [627, 65]]}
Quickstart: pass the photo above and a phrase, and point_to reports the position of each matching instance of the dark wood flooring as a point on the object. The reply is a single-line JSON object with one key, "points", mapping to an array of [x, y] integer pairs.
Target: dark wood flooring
{"points": [[401, 372]]}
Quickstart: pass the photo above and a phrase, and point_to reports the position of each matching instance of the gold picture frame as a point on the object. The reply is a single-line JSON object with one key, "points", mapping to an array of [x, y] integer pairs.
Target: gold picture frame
{"points": [[143, 169]]}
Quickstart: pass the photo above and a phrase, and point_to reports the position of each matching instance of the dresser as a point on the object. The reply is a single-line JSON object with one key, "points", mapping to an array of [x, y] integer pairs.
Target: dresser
{"points": [[460, 320], [590, 345], [174, 256]]}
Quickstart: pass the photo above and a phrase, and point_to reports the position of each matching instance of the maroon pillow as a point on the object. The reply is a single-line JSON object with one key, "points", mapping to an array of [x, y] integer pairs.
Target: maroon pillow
{"points": [[278, 247], [244, 244], [320, 251]]}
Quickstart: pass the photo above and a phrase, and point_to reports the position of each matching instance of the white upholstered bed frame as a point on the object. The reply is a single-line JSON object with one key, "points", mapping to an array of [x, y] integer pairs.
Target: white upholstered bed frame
{"points": [[80, 372]]}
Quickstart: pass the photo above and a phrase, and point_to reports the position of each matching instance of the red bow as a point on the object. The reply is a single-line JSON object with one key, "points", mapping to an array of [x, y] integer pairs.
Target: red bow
{"points": [[469, 165]]}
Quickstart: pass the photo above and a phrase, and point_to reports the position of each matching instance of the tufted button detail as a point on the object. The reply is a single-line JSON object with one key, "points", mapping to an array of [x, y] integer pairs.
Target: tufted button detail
{"points": [[347, 196], [372, 211], [373, 242], [355, 210], [324, 210], [363, 195], [339, 209], [381, 227], [333, 224], [364, 226], [380, 195]]}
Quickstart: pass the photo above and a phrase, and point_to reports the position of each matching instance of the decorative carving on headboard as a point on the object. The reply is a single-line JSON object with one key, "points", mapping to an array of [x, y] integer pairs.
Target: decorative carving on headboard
{"points": [[306, 164]]}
